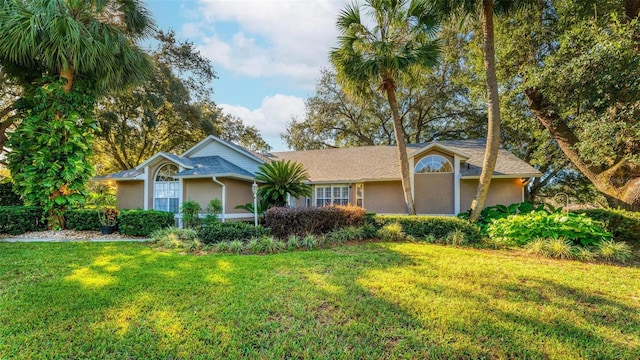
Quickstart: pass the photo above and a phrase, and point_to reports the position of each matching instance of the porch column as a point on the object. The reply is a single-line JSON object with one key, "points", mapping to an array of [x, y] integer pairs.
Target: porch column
{"points": [[456, 184]]}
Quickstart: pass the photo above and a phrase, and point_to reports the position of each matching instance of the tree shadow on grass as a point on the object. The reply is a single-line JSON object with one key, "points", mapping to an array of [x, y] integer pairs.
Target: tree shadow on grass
{"points": [[367, 301]]}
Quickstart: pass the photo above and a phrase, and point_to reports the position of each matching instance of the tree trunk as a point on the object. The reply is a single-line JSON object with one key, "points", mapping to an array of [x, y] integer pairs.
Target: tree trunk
{"points": [[493, 100], [67, 74], [401, 145]]}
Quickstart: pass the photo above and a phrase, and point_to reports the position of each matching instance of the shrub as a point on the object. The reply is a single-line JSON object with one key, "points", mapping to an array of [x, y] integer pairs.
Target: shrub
{"points": [[8, 196], [349, 233], [439, 227], [614, 251], [623, 224], [457, 237], [293, 242], [16, 220], [392, 232], [584, 253], [270, 245], [523, 228], [82, 219], [229, 231], [312, 220], [190, 213], [214, 208], [144, 222], [490, 213], [235, 246], [559, 248], [175, 238], [309, 241]]}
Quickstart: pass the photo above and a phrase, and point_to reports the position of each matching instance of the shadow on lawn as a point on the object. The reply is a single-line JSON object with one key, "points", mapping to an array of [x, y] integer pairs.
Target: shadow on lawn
{"points": [[369, 301]]}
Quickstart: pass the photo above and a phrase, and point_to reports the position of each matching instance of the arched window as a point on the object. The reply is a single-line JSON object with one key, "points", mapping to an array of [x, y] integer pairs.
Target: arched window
{"points": [[166, 189], [433, 164]]}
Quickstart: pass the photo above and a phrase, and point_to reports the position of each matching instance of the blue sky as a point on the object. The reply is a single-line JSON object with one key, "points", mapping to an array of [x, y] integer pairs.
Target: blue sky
{"points": [[267, 53]]}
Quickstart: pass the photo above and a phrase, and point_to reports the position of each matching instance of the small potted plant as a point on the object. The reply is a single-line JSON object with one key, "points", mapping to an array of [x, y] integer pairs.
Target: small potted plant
{"points": [[108, 219]]}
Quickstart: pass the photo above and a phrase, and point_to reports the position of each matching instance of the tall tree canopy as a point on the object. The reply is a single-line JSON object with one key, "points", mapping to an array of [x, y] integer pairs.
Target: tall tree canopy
{"points": [[434, 104], [400, 39], [171, 111], [65, 52], [576, 66]]}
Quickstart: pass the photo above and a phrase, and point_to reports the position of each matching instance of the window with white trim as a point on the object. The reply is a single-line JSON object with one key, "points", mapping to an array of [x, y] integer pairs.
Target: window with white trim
{"points": [[332, 195], [360, 195], [433, 164], [166, 189]]}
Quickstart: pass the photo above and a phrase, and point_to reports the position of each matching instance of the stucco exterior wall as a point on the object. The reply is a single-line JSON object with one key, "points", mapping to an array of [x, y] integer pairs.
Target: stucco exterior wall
{"points": [[434, 193], [238, 193], [130, 194], [502, 191], [384, 197], [201, 191]]}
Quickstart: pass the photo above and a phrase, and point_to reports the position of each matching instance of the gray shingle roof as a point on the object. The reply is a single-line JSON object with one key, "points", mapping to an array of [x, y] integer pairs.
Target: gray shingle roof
{"points": [[210, 165], [375, 163], [121, 175]]}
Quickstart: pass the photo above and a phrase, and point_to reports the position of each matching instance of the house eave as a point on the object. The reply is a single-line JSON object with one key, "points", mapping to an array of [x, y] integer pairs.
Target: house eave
{"points": [[504, 176], [166, 157]]}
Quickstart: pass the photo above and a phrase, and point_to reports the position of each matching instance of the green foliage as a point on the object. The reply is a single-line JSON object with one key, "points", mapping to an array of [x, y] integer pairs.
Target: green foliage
{"points": [[392, 232], [456, 238], [614, 251], [623, 224], [309, 241], [523, 228], [176, 238], [51, 149], [348, 233], [8, 196], [16, 220], [144, 222], [82, 219], [293, 242], [281, 179], [190, 213], [490, 213], [235, 246], [439, 227], [101, 195], [312, 220], [229, 231]]}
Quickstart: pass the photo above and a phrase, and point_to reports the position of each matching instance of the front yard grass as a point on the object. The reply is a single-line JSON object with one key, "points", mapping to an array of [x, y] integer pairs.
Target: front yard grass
{"points": [[382, 300]]}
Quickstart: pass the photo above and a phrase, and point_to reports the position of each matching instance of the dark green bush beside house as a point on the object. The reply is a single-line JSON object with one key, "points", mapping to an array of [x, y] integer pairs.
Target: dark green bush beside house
{"points": [[17, 220], [83, 219], [426, 226], [8, 197], [230, 231], [623, 224], [144, 222]]}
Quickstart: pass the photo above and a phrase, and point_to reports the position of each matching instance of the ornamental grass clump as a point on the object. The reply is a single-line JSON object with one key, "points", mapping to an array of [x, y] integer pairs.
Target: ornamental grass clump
{"points": [[392, 232], [614, 251], [177, 239]]}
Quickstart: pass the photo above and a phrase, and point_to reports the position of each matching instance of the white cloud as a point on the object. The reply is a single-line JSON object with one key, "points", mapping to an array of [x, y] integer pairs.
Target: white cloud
{"points": [[271, 37], [271, 117]]}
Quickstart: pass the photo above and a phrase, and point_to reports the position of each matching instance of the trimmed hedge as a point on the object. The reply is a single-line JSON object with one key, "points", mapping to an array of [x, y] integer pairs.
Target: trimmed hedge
{"points": [[623, 224], [83, 219], [17, 220], [312, 220], [144, 222], [230, 231], [8, 197], [421, 227]]}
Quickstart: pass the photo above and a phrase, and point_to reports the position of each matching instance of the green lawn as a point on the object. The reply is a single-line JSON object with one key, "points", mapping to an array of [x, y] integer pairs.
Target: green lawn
{"points": [[382, 300]]}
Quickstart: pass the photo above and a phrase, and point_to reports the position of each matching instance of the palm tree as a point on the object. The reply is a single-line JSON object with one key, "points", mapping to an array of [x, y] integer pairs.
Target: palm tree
{"points": [[282, 179], [487, 9], [67, 38], [400, 39]]}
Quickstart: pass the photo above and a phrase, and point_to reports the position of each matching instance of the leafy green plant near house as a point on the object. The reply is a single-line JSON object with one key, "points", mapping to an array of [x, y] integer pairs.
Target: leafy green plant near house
{"points": [[282, 179], [190, 213], [17, 220], [229, 231], [214, 208], [524, 228], [490, 213], [82, 219], [439, 227], [8, 196], [623, 224]]}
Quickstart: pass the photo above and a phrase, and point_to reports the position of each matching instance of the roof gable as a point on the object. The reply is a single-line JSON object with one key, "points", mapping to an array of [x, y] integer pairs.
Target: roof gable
{"points": [[163, 155], [438, 146]]}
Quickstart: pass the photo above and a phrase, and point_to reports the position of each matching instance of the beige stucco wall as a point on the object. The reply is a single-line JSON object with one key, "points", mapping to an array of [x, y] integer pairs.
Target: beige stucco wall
{"points": [[384, 197], [434, 193], [130, 194], [238, 193], [502, 191], [201, 191]]}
